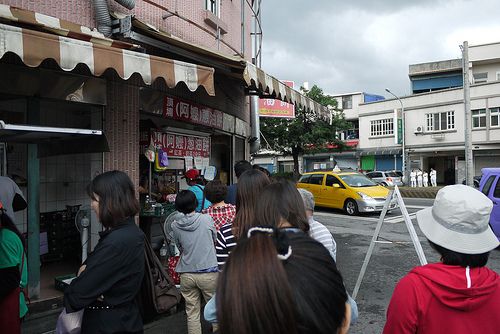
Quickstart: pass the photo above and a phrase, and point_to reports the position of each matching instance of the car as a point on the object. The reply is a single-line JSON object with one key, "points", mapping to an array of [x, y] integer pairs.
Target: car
{"points": [[386, 178], [476, 180], [490, 186], [350, 191]]}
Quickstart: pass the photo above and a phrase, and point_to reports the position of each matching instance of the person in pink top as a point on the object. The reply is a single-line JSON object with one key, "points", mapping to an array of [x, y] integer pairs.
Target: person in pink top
{"points": [[458, 295], [220, 211]]}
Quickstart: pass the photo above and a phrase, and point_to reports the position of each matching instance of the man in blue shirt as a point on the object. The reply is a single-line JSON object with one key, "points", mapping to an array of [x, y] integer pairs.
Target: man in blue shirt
{"points": [[193, 179], [239, 168]]}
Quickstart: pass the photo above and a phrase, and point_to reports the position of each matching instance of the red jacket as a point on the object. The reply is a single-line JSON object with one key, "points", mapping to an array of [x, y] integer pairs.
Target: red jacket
{"points": [[435, 298]]}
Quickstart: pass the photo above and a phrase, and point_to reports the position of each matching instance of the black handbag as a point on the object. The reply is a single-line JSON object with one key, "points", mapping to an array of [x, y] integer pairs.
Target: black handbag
{"points": [[158, 292]]}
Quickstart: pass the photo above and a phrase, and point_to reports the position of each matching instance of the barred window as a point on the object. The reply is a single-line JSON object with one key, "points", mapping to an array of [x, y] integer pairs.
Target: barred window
{"points": [[441, 121], [494, 116], [382, 127], [479, 118], [213, 6]]}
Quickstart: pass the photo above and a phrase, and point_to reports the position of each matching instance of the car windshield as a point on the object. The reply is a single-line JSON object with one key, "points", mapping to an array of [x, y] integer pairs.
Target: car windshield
{"points": [[356, 180], [393, 174]]}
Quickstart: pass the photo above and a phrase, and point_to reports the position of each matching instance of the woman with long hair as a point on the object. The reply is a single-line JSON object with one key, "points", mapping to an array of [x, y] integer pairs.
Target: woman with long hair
{"points": [[280, 205], [278, 282], [111, 277], [250, 186]]}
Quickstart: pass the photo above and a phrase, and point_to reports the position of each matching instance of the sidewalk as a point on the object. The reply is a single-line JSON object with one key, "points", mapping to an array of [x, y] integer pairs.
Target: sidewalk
{"points": [[45, 323], [424, 192]]}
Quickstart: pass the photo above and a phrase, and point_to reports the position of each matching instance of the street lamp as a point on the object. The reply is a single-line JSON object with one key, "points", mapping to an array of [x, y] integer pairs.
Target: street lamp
{"points": [[402, 134]]}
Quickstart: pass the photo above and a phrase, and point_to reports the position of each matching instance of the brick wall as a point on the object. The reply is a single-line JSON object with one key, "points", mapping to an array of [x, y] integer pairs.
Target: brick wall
{"points": [[121, 126], [81, 12]]}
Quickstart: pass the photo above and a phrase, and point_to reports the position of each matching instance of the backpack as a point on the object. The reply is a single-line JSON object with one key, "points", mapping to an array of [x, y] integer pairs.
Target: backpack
{"points": [[158, 292]]}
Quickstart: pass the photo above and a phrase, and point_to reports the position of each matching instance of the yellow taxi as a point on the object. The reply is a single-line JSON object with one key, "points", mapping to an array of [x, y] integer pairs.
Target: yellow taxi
{"points": [[353, 192]]}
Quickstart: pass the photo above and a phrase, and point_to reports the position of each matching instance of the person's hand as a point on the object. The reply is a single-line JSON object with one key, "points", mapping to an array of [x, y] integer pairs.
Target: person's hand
{"points": [[82, 268]]}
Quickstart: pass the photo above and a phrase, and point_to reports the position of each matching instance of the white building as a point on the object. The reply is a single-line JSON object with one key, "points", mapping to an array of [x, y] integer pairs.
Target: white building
{"points": [[434, 126]]}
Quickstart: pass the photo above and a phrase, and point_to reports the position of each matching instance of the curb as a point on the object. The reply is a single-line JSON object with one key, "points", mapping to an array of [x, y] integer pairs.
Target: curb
{"points": [[427, 192]]}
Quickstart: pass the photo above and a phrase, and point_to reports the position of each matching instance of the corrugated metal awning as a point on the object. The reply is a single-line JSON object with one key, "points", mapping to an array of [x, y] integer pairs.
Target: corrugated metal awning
{"points": [[33, 47]]}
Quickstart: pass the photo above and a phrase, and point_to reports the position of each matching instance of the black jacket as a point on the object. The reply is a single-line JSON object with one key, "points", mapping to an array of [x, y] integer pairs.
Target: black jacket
{"points": [[114, 270]]}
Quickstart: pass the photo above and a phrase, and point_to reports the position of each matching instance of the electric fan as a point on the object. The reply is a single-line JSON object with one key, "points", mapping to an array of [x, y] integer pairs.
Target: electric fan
{"points": [[169, 233], [82, 223]]}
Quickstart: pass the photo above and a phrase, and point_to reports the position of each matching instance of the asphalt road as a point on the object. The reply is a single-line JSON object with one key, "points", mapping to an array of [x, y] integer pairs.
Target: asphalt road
{"points": [[388, 263]]}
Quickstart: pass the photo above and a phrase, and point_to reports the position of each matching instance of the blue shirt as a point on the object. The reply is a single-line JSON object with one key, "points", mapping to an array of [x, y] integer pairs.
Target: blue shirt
{"points": [[198, 192]]}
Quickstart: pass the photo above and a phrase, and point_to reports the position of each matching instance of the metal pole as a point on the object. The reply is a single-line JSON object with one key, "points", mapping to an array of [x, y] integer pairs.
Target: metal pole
{"points": [[403, 134], [243, 27], [469, 177]]}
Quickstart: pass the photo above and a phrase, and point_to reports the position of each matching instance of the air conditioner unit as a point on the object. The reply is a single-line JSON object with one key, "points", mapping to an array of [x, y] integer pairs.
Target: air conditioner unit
{"points": [[419, 129]]}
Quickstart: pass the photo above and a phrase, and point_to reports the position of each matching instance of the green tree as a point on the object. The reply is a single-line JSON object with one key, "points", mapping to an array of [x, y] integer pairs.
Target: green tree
{"points": [[306, 133]]}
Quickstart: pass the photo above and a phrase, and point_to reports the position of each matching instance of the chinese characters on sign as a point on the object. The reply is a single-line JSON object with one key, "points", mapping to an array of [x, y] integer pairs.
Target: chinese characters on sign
{"points": [[277, 108], [181, 145], [192, 113]]}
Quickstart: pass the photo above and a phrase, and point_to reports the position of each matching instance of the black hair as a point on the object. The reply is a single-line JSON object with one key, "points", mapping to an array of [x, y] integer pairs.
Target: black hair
{"points": [[241, 166], [259, 293], [281, 201], [116, 196], [215, 191], [453, 258], [186, 201], [262, 169]]}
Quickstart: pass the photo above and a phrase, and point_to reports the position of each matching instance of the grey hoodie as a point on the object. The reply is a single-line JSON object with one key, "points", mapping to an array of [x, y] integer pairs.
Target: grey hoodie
{"points": [[195, 235]]}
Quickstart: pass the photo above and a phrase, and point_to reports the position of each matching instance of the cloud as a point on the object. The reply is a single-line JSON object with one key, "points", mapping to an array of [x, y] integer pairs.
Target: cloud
{"points": [[367, 45]]}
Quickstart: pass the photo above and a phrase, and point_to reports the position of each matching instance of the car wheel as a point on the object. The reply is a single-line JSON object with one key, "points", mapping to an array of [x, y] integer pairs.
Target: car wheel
{"points": [[351, 207]]}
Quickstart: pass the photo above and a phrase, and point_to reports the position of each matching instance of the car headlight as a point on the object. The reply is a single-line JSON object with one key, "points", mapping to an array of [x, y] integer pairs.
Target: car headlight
{"points": [[364, 196]]}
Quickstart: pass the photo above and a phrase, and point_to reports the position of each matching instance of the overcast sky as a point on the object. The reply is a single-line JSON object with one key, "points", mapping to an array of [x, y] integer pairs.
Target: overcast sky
{"points": [[367, 45]]}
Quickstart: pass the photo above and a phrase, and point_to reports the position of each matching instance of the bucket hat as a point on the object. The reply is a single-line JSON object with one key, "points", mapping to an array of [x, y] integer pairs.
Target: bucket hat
{"points": [[459, 220]]}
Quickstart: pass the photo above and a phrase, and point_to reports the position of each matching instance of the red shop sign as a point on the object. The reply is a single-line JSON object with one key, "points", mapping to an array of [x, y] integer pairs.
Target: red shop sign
{"points": [[192, 113], [181, 145]]}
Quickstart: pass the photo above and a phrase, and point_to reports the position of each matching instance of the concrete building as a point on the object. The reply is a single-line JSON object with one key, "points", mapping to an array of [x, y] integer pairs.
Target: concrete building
{"points": [[434, 131]]}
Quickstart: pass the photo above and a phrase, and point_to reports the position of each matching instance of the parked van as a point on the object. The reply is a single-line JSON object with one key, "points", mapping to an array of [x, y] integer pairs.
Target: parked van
{"points": [[490, 186]]}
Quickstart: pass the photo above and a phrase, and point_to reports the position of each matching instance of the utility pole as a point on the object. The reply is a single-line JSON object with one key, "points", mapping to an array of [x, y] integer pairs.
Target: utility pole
{"points": [[403, 141], [469, 174]]}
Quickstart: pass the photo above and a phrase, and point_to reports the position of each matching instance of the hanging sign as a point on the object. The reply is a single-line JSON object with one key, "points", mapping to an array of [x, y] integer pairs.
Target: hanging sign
{"points": [[277, 108], [178, 145], [189, 112]]}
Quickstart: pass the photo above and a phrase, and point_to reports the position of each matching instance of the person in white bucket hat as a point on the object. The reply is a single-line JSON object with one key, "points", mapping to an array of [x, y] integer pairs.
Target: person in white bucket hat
{"points": [[459, 294]]}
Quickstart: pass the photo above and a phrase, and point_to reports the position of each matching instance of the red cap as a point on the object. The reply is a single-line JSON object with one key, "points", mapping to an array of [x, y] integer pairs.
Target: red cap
{"points": [[192, 174]]}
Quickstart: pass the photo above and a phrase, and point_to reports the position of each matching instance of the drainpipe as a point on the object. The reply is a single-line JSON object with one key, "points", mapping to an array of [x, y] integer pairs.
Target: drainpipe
{"points": [[255, 122], [102, 16]]}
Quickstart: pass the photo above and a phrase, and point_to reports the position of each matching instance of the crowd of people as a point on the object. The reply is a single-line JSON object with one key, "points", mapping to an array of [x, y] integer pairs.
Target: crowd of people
{"points": [[256, 256]]}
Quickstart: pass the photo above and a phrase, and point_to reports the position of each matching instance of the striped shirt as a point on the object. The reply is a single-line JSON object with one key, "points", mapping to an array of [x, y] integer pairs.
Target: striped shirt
{"points": [[224, 244], [320, 233]]}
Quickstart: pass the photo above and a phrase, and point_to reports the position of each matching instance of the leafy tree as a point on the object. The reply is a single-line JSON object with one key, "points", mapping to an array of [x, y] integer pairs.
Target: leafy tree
{"points": [[306, 133]]}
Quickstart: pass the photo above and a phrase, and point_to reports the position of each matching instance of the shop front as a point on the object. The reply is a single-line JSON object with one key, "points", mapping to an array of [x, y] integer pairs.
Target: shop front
{"points": [[69, 110]]}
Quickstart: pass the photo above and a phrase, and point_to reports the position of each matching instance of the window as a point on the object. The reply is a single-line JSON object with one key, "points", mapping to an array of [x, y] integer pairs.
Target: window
{"points": [[316, 179], [487, 185], [382, 127], [213, 6], [498, 76], [496, 193], [331, 180], [304, 179], [494, 116], [479, 118], [480, 77], [441, 121], [347, 102]]}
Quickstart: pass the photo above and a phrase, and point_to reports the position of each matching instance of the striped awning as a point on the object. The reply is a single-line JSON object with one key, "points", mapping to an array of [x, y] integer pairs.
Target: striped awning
{"points": [[267, 84], [33, 47], [59, 27]]}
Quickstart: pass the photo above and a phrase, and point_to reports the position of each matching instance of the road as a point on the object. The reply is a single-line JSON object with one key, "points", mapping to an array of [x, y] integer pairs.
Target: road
{"points": [[389, 262]]}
